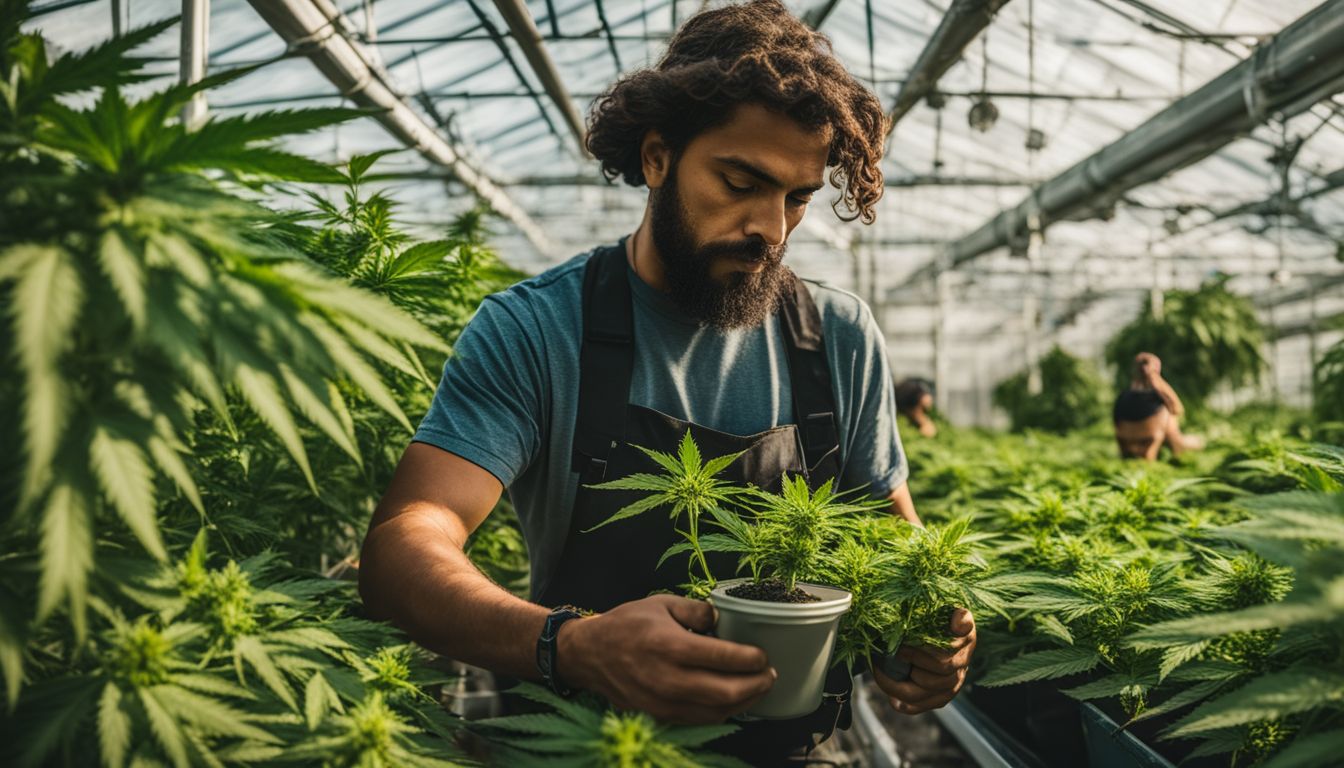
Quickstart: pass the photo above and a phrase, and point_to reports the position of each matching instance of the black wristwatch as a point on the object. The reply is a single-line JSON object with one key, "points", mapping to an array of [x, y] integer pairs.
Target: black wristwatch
{"points": [[546, 646]]}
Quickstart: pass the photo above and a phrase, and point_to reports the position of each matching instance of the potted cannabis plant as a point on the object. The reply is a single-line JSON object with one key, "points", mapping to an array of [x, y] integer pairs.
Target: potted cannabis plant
{"points": [[828, 578]]}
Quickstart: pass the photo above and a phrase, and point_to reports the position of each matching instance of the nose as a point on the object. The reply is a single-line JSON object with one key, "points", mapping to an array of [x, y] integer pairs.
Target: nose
{"points": [[769, 221]]}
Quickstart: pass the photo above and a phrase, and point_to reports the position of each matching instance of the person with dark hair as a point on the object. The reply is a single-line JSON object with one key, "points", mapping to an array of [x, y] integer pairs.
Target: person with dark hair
{"points": [[691, 323], [914, 401], [1147, 415]]}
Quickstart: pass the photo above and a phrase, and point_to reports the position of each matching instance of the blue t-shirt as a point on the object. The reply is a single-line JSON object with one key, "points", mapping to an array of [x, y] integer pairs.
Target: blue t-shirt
{"points": [[509, 394]]}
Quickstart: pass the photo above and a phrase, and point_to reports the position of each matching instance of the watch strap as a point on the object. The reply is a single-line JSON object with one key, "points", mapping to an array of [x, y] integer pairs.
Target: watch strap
{"points": [[547, 647]]}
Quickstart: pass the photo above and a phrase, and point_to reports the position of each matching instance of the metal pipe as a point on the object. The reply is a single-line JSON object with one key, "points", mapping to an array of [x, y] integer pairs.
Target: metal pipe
{"points": [[528, 37], [962, 23], [815, 16], [1285, 76], [194, 55], [317, 29]]}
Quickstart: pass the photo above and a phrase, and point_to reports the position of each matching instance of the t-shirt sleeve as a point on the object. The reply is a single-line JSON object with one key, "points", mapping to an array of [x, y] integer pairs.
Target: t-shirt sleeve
{"points": [[872, 454], [488, 408]]}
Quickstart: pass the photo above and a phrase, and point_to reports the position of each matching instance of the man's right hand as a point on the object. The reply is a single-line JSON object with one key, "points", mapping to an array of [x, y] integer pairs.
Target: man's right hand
{"points": [[641, 655]]}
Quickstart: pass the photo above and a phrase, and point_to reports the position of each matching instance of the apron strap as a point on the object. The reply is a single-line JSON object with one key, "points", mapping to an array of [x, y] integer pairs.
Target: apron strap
{"points": [[809, 374], [606, 363]]}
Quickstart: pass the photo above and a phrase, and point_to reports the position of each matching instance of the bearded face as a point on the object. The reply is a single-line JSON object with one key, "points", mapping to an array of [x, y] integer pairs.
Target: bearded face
{"points": [[739, 299]]}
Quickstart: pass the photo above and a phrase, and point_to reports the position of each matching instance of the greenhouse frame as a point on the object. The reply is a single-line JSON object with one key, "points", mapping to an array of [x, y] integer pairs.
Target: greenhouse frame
{"points": [[255, 254]]}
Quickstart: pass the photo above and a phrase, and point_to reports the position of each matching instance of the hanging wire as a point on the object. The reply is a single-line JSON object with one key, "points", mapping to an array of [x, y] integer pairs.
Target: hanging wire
{"points": [[1031, 65], [872, 48]]}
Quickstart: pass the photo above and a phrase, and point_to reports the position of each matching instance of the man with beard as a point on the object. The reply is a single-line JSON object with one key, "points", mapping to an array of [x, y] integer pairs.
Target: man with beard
{"points": [[692, 323]]}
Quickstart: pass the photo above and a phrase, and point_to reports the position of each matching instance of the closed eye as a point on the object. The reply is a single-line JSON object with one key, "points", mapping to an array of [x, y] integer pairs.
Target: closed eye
{"points": [[734, 188]]}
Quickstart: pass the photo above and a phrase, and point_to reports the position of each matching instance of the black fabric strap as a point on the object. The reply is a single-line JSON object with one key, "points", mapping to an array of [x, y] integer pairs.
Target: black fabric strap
{"points": [[809, 374], [606, 362]]}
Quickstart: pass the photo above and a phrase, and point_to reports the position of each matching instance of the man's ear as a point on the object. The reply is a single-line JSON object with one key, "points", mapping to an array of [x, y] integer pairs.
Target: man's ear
{"points": [[656, 159]]}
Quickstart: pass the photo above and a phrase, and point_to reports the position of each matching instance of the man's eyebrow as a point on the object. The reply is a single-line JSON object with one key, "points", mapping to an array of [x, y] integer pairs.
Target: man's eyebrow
{"points": [[759, 173]]}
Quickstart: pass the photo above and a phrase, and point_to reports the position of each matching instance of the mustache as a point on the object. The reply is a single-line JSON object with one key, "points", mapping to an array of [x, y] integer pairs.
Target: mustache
{"points": [[751, 251]]}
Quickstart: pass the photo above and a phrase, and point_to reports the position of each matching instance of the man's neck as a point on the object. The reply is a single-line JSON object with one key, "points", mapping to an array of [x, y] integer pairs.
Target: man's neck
{"points": [[642, 255]]}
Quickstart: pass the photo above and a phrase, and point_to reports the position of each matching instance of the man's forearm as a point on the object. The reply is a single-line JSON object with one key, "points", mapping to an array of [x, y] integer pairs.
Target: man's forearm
{"points": [[413, 572], [903, 505], [1168, 396]]}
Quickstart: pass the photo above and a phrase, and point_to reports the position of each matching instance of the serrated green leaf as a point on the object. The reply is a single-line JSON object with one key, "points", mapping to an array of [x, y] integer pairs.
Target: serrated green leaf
{"points": [[45, 305], [1270, 697], [255, 653], [1042, 665], [210, 716], [127, 480], [114, 727], [261, 392], [67, 552], [165, 728], [125, 273]]}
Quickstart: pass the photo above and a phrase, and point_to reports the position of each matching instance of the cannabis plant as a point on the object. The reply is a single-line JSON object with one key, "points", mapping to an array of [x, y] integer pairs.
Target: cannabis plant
{"points": [[1280, 690], [688, 489], [1208, 337], [1071, 396], [197, 664], [1328, 384], [140, 291], [1086, 617], [164, 329], [256, 492], [582, 734]]}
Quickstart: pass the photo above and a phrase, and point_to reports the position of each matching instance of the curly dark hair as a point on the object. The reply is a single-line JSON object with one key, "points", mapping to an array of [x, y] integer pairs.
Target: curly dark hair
{"points": [[757, 52]]}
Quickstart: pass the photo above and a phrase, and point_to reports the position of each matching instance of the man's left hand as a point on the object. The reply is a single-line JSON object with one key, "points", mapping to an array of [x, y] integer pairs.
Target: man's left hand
{"points": [[936, 674]]}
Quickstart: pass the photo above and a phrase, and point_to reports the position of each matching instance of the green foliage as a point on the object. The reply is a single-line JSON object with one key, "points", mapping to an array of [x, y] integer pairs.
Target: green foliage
{"points": [[582, 733], [689, 489], [1328, 385], [1184, 599], [139, 291], [904, 581], [1205, 338], [180, 359], [1072, 396]]}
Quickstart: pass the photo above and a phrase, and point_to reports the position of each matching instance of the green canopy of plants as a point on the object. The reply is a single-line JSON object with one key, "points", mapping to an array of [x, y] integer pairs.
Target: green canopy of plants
{"points": [[1072, 396], [1328, 385], [181, 363]]}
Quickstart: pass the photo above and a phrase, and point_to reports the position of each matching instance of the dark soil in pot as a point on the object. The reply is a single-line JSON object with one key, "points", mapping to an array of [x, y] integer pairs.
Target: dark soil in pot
{"points": [[771, 591]]}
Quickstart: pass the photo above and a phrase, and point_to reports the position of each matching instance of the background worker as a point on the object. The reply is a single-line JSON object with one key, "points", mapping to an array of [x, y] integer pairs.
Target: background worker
{"points": [[914, 401], [1148, 414]]}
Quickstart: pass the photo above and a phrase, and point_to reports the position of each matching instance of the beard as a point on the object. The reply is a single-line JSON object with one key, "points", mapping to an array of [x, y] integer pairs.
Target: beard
{"points": [[743, 299]]}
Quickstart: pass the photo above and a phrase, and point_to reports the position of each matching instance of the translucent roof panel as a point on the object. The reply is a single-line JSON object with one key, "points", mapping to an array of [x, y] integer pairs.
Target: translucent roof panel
{"points": [[1081, 72]]}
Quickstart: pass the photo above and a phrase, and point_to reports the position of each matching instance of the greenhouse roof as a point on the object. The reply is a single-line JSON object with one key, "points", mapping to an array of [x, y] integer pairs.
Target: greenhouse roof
{"points": [[1083, 73]]}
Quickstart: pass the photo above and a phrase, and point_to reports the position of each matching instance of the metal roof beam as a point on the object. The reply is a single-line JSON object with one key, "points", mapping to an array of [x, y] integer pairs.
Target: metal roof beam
{"points": [[1284, 77], [317, 28], [815, 16], [528, 37], [964, 21]]}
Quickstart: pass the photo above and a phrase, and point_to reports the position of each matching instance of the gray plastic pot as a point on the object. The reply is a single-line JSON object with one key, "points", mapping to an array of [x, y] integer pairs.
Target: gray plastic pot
{"points": [[797, 638]]}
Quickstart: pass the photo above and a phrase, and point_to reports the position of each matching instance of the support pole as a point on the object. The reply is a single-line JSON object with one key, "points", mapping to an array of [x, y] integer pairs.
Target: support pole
{"points": [[194, 56], [942, 293]]}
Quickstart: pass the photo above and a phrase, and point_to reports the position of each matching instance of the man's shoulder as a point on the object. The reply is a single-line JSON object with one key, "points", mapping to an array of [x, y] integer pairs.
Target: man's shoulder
{"points": [[562, 282], [839, 309]]}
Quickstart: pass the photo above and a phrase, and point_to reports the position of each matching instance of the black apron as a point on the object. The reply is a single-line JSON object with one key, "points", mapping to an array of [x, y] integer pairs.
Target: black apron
{"points": [[615, 564]]}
